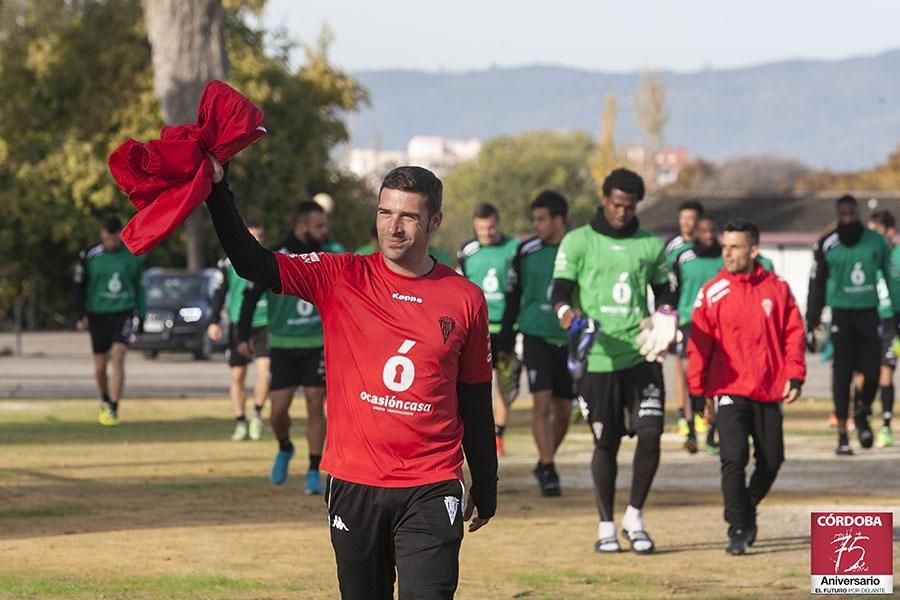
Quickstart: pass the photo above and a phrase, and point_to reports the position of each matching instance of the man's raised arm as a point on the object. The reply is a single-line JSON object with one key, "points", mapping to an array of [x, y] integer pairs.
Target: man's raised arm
{"points": [[250, 259]]}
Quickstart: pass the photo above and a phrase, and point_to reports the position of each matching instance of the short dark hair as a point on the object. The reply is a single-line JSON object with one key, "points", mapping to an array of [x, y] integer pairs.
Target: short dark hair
{"points": [[692, 205], [846, 199], [306, 208], [744, 226], [253, 222], [112, 224], [417, 180], [626, 181], [884, 218], [704, 217], [486, 210], [555, 202]]}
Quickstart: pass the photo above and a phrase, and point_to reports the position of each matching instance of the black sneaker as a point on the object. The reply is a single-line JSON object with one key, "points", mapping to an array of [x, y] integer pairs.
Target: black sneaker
{"points": [[751, 530], [844, 450], [548, 480], [863, 429], [737, 542]]}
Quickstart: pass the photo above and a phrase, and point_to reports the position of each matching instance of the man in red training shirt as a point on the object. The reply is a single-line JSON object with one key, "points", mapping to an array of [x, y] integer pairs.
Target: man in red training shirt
{"points": [[746, 352], [408, 350]]}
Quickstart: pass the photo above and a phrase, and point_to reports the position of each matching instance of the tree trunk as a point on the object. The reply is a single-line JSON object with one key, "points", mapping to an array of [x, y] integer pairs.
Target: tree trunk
{"points": [[187, 41]]}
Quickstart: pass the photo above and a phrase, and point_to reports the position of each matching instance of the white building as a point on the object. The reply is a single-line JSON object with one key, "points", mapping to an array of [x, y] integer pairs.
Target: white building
{"points": [[435, 153]]}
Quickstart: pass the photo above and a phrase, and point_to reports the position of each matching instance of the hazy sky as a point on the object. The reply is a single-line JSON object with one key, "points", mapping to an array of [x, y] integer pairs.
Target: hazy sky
{"points": [[682, 35]]}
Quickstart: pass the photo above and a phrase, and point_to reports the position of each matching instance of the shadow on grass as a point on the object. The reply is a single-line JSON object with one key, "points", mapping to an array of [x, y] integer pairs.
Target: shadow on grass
{"points": [[53, 431]]}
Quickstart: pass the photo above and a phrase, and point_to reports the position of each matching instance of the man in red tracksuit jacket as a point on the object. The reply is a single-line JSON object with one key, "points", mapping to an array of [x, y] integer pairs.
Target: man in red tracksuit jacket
{"points": [[746, 352]]}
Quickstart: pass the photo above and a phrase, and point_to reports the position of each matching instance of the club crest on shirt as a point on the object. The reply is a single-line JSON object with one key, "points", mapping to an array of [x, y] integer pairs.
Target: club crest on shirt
{"points": [[767, 306], [446, 327]]}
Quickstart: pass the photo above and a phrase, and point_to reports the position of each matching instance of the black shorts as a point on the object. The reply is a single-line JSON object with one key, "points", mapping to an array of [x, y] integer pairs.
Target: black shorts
{"points": [[110, 328], [495, 345], [547, 370], [417, 530], [623, 402], [291, 367], [259, 346], [888, 356]]}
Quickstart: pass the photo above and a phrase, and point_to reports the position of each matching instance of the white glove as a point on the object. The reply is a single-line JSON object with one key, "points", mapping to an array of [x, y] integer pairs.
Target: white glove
{"points": [[657, 334]]}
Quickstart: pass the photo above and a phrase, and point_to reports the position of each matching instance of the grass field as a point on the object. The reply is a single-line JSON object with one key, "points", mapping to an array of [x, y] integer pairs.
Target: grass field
{"points": [[166, 506]]}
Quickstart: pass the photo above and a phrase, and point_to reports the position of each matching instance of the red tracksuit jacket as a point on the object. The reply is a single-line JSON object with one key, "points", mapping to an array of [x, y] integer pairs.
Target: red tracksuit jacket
{"points": [[166, 179], [746, 337]]}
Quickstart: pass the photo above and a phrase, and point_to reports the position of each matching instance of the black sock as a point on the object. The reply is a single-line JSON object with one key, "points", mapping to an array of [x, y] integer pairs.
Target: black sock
{"points": [[499, 429], [241, 419], [842, 439], [314, 460], [114, 406], [257, 410], [711, 435], [681, 413], [106, 399], [887, 404], [285, 445]]}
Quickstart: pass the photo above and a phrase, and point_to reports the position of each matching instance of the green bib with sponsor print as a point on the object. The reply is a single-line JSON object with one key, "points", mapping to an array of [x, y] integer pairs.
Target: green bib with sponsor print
{"points": [[534, 268], [853, 271], [113, 281], [612, 275], [487, 266]]}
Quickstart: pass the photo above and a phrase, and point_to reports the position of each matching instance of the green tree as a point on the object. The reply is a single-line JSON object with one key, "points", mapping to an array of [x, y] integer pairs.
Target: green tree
{"points": [[509, 172], [76, 80]]}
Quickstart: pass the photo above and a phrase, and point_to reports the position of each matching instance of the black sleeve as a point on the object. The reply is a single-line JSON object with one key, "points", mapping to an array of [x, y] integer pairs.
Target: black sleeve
{"points": [[675, 282], [80, 291], [513, 303], [249, 258], [252, 293], [663, 293], [562, 292], [478, 444], [815, 301], [218, 299]]}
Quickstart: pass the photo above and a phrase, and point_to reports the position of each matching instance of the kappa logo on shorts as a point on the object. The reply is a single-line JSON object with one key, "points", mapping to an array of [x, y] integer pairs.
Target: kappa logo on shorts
{"points": [[725, 401], [452, 504], [338, 523], [446, 324]]}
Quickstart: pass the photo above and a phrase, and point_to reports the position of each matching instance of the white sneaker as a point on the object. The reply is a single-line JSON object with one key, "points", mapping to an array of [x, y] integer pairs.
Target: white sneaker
{"points": [[256, 428], [240, 431]]}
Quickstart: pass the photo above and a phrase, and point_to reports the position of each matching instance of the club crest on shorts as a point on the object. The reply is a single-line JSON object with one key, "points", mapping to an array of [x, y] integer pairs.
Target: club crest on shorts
{"points": [[452, 504], [446, 327]]}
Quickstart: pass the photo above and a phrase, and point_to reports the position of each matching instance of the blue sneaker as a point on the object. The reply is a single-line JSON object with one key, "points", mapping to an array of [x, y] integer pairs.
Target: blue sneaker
{"points": [[313, 483], [280, 467]]}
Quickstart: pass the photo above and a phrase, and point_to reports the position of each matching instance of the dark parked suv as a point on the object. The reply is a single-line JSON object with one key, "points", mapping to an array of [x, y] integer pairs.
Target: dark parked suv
{"points": [[178, 312]]}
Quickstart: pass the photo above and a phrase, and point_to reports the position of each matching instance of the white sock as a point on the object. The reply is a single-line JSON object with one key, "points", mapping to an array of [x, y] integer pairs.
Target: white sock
{"points": [[632, 520], [606, 529]]}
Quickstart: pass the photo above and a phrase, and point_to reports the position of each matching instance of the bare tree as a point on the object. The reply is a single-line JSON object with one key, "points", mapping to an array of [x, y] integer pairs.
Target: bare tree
{"points": [[652, 117], [187, 40], [607, 156]]}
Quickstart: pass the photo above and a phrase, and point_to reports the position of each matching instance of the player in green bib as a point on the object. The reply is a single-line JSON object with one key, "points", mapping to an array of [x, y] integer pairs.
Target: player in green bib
{"points": [[688, 214], [230, 291], [108, 292], [296, 349], [611, 263], [882, 221], [528, 286], [847, 261], [692, 268], [435, 252], [485, 261]]}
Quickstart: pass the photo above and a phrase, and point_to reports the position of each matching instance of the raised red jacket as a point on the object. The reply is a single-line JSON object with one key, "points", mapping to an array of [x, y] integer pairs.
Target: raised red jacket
{"points": [[746, 337], [166, 179]]}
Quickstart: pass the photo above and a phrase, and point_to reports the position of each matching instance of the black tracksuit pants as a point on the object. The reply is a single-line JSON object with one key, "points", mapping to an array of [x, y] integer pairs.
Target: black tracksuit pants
{"points": [[857, 347], [739, 418]]}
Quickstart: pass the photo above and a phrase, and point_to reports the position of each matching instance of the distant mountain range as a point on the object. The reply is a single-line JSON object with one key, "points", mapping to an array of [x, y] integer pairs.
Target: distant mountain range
{"points": [[841, 115]]}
